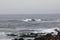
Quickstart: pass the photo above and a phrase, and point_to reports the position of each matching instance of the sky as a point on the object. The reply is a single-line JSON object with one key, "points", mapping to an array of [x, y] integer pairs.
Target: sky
{"points": [[29, 6]]}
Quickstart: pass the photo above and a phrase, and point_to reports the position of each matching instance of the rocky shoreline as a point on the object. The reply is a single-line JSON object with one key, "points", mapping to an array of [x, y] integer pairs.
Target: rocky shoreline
{"points": [[36, 36]]}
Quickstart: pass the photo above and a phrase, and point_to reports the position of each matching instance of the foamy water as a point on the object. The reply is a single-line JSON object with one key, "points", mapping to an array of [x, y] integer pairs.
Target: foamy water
{"points": [[4, 37]]}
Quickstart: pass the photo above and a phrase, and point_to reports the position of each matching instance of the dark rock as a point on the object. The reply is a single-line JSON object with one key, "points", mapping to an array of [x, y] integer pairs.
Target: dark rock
{"points": [[33, 19], [21, 39]]}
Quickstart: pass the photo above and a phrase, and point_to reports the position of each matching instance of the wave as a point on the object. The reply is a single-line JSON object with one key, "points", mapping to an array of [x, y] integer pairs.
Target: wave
{"points": [[40, 20], [39, 30], [26, 30], [29, 20]]}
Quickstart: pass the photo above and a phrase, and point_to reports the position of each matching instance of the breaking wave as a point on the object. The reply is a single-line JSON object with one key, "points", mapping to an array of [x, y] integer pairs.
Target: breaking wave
{"points": [[29, 20], [40, 20], [40, 30]]}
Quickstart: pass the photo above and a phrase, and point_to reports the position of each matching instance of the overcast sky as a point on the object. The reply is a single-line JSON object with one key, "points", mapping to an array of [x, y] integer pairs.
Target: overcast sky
{"points": [[29, 6]]}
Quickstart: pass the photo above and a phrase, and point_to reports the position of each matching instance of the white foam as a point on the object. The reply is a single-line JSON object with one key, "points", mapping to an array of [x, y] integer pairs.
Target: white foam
{"points": [[26, 20], [29, 20], [47, 30], [2, 34], [39, 20], [41, 30]]}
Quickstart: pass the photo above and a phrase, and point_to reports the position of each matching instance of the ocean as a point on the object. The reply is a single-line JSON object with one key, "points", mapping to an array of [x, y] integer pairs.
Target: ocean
{"points": [[27, 23]]}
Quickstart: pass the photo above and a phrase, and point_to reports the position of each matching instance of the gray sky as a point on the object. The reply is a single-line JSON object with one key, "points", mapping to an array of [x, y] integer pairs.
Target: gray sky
{"points": [[29, 6]]}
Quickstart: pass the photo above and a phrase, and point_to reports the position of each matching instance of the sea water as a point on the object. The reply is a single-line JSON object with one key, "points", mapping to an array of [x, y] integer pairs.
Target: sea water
{"points": [[23, 23]]}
